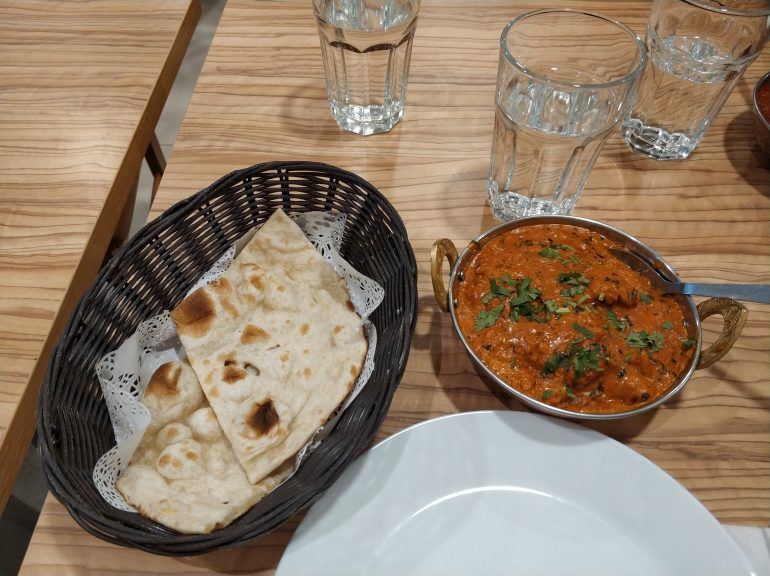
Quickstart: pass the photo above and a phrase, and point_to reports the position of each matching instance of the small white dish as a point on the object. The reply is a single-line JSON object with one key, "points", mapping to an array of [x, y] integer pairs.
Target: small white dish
{"points": [[508, 493]]}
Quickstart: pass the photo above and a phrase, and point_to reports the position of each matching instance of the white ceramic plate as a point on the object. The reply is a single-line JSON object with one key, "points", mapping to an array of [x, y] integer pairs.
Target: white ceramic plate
{"points": [[508, 493]]}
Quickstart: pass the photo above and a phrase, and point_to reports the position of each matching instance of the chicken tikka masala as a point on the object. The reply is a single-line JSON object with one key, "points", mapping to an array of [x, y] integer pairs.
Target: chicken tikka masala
{"points": [[554, 314]]}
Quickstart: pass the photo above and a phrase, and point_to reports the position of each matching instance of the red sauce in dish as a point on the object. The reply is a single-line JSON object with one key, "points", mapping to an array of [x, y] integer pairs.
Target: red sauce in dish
{"points": [[553, 313], [763, 100]]}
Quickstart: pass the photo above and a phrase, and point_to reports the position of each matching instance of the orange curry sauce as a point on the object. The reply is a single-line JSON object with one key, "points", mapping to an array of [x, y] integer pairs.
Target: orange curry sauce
{"points": [[549, 310]]}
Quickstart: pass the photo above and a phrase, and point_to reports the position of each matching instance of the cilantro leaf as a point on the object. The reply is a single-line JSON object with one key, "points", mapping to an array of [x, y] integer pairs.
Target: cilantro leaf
{"points": [[646, 298], [583, 330], [525, 293], [496, 288], [619, 323], [507, 279], [553, 363], [657, 340], [577, 357], [573, 291], [568, 277], [547, 393], [487, 318], [667, 325], [653, 341], [689, 343], [550, 253], [587, 358]]}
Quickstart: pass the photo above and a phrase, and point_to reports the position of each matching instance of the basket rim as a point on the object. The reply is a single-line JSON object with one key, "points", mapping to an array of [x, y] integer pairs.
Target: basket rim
{"points": [[234, 534]]}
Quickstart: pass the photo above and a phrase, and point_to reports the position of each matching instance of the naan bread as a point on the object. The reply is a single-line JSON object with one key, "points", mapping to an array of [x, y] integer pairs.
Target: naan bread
{"points": [[276, 345], [184, 474]]}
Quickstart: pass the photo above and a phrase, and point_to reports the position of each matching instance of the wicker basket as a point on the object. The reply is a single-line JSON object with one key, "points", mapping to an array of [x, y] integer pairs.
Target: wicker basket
{"points": [[152, 273]]}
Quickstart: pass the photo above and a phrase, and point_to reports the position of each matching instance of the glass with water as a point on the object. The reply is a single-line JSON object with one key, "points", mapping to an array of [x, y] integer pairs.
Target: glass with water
{"points": [[366, 47], [698, 50], [565, 81]]}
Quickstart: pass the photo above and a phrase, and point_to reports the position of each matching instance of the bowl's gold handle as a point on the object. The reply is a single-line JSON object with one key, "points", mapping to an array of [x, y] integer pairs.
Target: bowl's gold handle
{"points": [[734, 314], [441, 248]]}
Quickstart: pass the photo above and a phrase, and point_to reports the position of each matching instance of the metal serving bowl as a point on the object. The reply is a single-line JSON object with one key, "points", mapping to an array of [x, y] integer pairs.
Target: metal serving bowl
{"points": [[761, 124], [733, 312]]}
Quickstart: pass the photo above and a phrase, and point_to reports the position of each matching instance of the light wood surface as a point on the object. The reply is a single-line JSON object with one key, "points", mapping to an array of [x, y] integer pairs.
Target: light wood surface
{"points": [[82, 85], [262, 97]]}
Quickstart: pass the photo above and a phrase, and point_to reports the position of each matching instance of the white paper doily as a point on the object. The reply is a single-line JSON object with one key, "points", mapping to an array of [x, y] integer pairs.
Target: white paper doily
{"points": [[125, 372]]}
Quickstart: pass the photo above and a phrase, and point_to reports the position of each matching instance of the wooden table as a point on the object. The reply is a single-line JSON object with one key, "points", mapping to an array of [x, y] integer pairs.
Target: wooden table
{"points": [[262, 96], [82, 85]]}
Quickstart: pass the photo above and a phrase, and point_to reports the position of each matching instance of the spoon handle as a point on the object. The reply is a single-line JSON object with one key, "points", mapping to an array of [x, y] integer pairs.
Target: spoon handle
{"points": [[745, 292]]}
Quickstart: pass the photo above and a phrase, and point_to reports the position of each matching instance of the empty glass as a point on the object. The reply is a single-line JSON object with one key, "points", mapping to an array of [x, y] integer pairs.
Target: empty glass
{"points": [[366, 47], [565, 81], [698, 50]]}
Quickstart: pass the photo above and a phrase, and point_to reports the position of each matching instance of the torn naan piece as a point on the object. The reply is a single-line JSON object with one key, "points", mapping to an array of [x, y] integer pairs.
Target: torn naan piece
{"points": [[184, 473], [276, 345]]}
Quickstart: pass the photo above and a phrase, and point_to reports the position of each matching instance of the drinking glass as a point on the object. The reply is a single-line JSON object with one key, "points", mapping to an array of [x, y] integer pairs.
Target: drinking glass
{"points": [[366, 46], [565, 81], [698, 50]]}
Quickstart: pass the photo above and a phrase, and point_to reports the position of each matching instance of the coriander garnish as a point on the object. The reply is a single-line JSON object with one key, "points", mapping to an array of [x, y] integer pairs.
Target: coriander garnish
{"points": [[572, 278], [619, 323], [667, 325], [646, 298], [583, 330], [573, 291], [577, 357], [689, 343], [547, 393], [497, 290], [523, 303], [554, 252], [641, 339], [550, 253], [487, 318]]}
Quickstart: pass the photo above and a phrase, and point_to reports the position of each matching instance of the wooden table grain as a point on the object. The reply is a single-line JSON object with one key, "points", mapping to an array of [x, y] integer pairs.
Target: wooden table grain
{"points": [[82, 85], [261, 96]]}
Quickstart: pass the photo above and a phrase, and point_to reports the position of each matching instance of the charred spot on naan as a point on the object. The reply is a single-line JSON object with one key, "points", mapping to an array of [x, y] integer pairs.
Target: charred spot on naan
{"points": [[262, 418], [231, 373], [252, 334], [229, 306], [256, 281], [194, 314], [165, 380]]}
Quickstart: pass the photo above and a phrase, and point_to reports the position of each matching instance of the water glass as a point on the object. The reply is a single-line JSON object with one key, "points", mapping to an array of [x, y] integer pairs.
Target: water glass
{"points": [[698, 50], [366, 46], [565, 81]]}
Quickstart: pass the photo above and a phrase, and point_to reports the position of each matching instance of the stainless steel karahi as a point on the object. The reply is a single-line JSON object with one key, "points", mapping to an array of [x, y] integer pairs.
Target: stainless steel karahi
{"points": [[733, 312]]}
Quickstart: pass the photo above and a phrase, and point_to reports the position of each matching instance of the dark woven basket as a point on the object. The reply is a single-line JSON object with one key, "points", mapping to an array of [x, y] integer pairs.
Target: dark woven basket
{"points": [[152, 273]]}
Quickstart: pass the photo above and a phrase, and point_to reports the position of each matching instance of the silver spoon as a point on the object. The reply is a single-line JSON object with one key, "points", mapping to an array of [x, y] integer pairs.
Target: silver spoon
{"points": [[747, 292]]}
